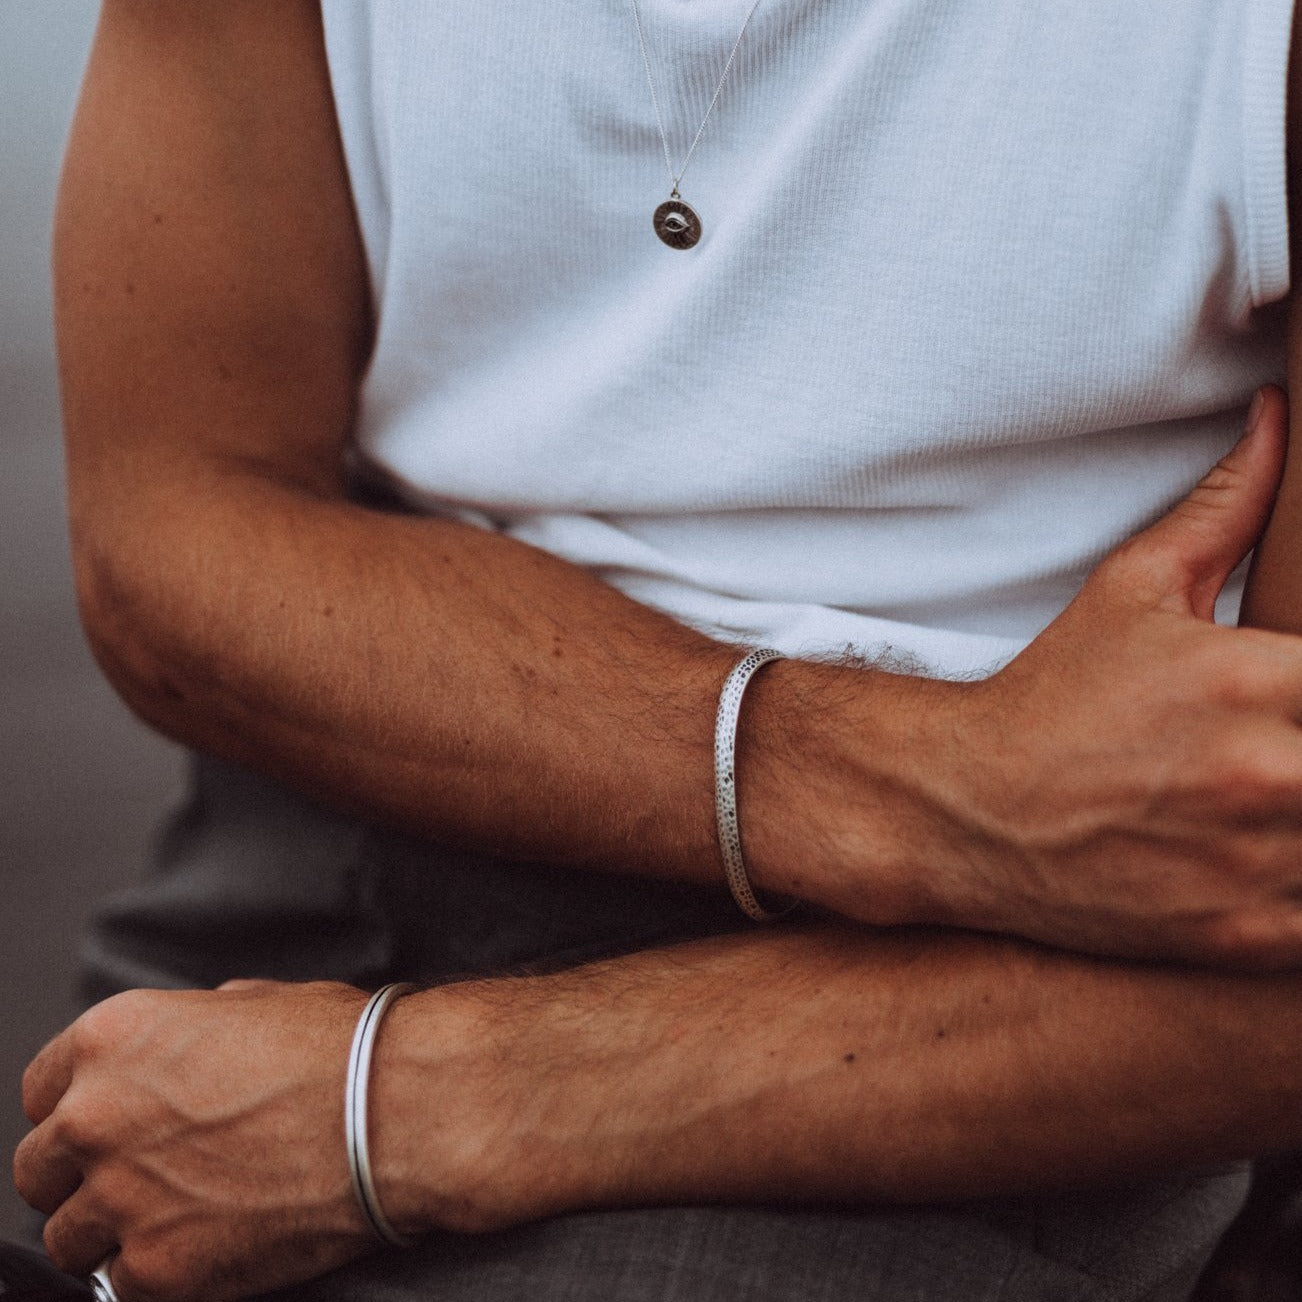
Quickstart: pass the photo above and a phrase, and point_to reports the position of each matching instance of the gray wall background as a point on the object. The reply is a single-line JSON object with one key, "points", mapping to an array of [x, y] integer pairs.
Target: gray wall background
{"points": [[81, 783]]}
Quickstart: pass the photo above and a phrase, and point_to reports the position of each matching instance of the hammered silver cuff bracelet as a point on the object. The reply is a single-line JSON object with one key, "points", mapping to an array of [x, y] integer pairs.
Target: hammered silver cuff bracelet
{"points": [[725, 785], [355, 1114]]}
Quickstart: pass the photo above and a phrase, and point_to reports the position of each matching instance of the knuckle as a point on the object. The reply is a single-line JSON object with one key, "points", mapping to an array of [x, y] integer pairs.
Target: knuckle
{"points": [[71, 1131], [52, 1237], [33, 1076], [31, 1176], [109, 1022], [92, 1032], [60, 1238], [24, 1171], [1239, 681]]}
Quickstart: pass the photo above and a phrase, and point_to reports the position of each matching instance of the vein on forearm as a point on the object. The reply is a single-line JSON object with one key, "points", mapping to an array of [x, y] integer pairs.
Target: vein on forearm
{"points": [[833, 1063]]}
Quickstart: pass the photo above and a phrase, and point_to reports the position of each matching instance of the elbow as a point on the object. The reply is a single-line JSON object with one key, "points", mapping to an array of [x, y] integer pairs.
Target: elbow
{"points": [[132, 633]]}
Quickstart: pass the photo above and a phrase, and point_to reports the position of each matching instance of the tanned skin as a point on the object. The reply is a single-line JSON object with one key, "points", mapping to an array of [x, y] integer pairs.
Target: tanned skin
{"points": [[1131, 785]]}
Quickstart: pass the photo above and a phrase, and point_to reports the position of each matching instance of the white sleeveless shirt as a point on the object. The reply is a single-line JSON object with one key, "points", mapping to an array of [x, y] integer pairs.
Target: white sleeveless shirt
{"points": [[985, 285]]}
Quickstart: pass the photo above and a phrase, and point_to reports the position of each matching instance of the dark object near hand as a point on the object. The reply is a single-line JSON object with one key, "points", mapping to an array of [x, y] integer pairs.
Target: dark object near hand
{"points": [[1260, 1258], [27, 1276]]}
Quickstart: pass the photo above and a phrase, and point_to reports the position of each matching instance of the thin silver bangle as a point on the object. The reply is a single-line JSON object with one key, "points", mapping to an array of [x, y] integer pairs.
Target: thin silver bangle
{"points": [[355, 1113], [725, 785]]}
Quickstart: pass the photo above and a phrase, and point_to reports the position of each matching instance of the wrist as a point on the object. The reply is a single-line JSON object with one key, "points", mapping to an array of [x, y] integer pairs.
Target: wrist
{"points": [[845, 780], [433, 1098], [470, 1127]]}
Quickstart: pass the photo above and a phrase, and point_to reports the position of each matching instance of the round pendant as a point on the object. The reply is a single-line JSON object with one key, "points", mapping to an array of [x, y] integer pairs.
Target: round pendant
{"points": [[677, 224]]}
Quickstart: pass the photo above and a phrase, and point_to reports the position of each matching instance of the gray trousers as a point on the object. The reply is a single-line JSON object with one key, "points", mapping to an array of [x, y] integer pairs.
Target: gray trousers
{"points": [[252, 880]]}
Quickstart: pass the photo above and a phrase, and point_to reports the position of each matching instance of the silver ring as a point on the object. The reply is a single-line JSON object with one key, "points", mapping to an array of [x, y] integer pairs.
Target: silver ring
{"points": [[100, 1284]]}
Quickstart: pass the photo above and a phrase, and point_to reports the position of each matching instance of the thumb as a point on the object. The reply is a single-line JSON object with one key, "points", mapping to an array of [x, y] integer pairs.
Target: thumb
{"points": [[1192, 550]]}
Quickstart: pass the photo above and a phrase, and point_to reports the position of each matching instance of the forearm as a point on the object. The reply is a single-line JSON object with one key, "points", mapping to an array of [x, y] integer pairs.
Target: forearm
{"points": [[472, 688], [492, 696], [824, 1064], [416, 671], [198, 1133]]}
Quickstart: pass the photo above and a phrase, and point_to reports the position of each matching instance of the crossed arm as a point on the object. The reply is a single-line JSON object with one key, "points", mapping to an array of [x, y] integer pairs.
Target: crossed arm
{"points": [[1132, 784]]}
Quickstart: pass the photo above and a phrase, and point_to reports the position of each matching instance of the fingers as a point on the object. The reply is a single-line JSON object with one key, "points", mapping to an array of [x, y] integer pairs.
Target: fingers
{"points": [[80, 1234], [1193, 549], [1257, 672], [47, 1078], [50, 1073], [46, 1171]]}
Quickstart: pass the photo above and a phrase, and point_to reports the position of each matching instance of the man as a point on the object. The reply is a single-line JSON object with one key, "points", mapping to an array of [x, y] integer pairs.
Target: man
{"points": [[561, 402]]}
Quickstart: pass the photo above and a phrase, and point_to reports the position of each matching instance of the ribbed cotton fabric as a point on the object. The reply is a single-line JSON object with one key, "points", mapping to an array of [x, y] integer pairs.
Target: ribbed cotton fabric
{"points": [[985, 286]]}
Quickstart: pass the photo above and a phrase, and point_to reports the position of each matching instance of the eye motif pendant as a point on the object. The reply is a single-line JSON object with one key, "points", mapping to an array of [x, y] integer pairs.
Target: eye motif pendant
{"points": [[677, 224]]}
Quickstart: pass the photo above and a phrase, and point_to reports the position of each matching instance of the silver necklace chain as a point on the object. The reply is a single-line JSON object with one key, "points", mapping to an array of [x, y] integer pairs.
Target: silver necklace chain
{"points": [[676, 180]]}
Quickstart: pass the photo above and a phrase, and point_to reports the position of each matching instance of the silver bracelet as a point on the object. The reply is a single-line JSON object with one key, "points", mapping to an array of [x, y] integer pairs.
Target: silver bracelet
{"points": [[355, 1114], [725, 785]]}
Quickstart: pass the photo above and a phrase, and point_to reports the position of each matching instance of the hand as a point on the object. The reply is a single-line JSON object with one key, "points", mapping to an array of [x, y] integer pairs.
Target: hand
{"points": [[198, 1135], [1132, 783]]}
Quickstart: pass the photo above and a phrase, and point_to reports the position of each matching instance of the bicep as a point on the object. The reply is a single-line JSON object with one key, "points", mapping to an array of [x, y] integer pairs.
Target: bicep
{"points": [[210, 288]]}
